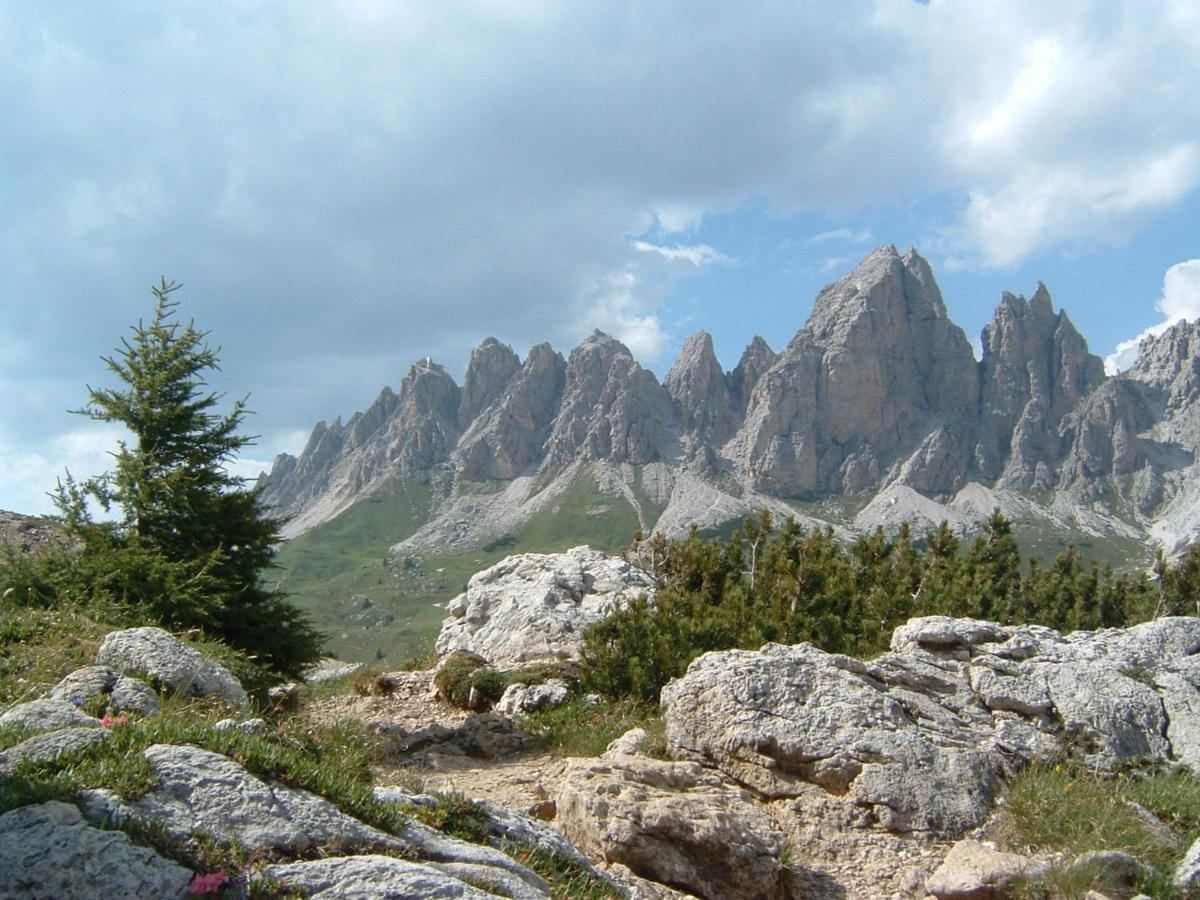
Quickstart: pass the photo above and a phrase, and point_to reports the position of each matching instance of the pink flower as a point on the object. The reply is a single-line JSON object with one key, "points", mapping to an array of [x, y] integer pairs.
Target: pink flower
{"points": [[108, 721], [206, 884]]}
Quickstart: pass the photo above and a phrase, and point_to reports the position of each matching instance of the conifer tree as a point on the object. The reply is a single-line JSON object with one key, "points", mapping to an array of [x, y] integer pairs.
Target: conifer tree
{"points": [[191, 543]]}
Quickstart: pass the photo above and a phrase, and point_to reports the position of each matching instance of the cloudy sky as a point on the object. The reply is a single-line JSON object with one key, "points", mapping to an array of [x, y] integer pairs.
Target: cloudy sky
{"points": [[344, 187]]}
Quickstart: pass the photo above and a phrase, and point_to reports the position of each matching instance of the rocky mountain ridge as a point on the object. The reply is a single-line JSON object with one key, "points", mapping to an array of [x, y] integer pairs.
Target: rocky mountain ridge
{"points": [[877, 396]]}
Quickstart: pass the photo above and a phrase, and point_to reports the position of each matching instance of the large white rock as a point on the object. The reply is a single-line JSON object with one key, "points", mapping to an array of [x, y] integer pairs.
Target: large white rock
{"points": [[534, 606], [154, 652], [49, 746], [47, 850], [977, 871]]}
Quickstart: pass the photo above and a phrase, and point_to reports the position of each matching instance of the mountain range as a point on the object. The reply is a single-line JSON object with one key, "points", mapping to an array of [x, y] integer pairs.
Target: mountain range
{"points": [[876, 412]]}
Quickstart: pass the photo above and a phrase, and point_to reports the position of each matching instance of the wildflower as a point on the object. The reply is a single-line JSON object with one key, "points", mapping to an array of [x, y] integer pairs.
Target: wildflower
{"points": [[108, 721], [77, 700], [207, 884]]}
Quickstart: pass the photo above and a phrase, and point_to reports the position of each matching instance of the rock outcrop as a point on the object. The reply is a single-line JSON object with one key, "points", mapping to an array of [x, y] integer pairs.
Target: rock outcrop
{"points": [[1036, 368], [916, 740], [535, 606], [508, 438], [673, 823], [704, 400]]}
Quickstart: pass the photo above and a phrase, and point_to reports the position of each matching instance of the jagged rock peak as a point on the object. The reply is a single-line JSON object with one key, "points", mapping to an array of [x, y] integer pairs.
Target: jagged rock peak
{"points": [[491, 368], [508, 436], [611, 409], [756, 359], [701, 390], [883, 285], [1035, 369]]}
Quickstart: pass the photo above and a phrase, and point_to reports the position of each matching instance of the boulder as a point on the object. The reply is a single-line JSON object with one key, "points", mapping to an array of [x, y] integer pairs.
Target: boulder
{"points": [[673, 823], [47, 850], [519, 698], [166, 659], [535, 606], [978, 871], [911, 751], [125, 694]]}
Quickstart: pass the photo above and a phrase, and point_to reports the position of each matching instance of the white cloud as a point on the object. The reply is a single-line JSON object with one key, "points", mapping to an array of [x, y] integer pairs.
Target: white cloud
{"points": [[1041, 207], [616, 309], [862, 236], [1180, 302], [386, 178], [678, 218], [1029, 86], [699, 255], [28, 478]]}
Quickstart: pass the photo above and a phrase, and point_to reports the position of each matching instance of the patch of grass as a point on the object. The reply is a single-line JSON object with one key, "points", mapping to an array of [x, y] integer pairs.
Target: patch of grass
{"points": [[1072, 810], [11, 735], [39, 645], [457, 816], [568, 880], [583, 728]]}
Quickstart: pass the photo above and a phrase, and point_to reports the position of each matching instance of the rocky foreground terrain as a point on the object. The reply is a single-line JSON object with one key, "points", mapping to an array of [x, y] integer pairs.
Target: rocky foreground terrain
{"points": [[878, 398], [784, 772]]}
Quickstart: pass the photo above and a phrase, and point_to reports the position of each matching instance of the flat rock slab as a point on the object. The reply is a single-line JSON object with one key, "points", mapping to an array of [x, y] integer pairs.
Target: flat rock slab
{"points": [[48, 715], [49, 746], [48, 851], [202, 791], [372, 878], [199, 790]]}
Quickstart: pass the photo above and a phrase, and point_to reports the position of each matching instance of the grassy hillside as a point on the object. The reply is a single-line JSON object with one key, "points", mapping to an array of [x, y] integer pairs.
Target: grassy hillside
{"points": [[376, 606]]}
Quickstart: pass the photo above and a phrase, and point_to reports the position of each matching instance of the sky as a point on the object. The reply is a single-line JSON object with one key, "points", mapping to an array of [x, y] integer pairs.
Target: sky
{"points": [[346, 187]]}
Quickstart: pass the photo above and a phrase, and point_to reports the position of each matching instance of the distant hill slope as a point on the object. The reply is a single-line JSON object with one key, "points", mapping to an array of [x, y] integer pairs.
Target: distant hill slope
{"points": [[876, 411]]}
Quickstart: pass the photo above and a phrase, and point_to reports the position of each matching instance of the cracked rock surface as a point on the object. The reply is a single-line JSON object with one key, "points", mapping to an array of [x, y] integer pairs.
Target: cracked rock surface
{"points": [[916, 739]]}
